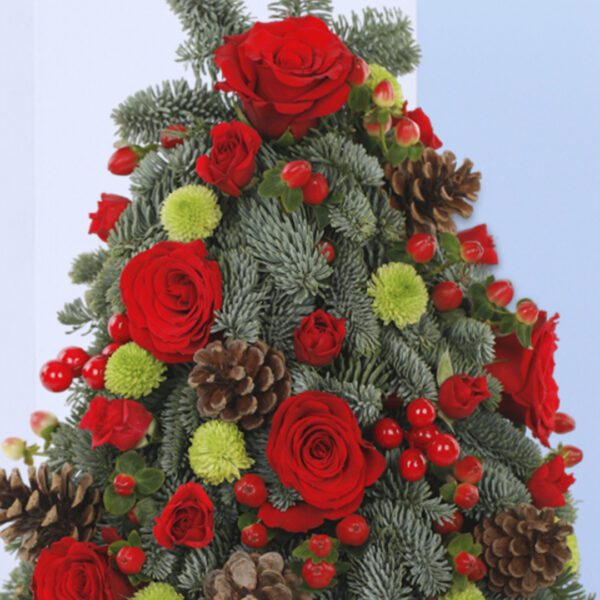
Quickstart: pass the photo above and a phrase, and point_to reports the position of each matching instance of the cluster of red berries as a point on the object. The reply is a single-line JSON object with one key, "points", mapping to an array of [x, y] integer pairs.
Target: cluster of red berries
{"points": [[298, 174], [251, 491], [469, 565]]}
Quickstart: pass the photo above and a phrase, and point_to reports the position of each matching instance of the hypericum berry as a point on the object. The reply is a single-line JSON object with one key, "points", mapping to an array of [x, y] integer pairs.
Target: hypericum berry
{"points": [[466, 495], [56, 376], [421, 437], [75, 357], [316, 190], [571, 455], [443, 450], [464, 563], [360, 72], [421, 247], [255, 536], [327, 250], [479, 571], [118, 328], [130, 560], [133, 517], [296, 173], [447, 296], [387, 433], [563, 423], [406, 132], [527, 312], [124, 484], [251, 490], [94, 372], [500, 292], [43, 423], [172, 136], [320, 545], [111, 349], [384, 95], [412, 464], [374, 128], [469, 470], [421, 412], [471, 251], [14, 448], [353, 530], [318, 575], [452, 526], [123, 161]]}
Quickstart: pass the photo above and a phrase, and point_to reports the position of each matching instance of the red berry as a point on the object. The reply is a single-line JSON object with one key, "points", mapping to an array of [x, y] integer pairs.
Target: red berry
{"points": [[421, 412], [423, 436], [93, 372], [479, 571], [255, 536], [466, 495], [14, 448], [124, 484], [75, 357], [111, 349], [464, 563], [133, 517], [118, 328], [452, 526], [56, 376], [171, 136], [327, 250], [407, 132], [318, 575], [296, 173], [443, 450], [571, 455], [316, 190], [500, 292], [421, 247], [251, 490], [384, 95], [110, 535], [387, 433], [374, 128], [360, 72], [412, 464], [43, 423], [320, 545], [353, 530], [527, 312], [447, 296], [563, 423], [130, 560], [471, 251], [469, 470], [123, 161]]}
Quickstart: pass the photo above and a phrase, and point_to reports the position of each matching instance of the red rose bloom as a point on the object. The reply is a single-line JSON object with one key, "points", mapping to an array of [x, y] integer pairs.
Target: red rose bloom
{"points": [[527, 376], [232, 161], [480, 234], [549, 484], [172, 292], [460, 395], [122, 423], [187, 519], [316, 447], [319, 338], [105, 218], [71, 570], [428, 137], [287, 74]]}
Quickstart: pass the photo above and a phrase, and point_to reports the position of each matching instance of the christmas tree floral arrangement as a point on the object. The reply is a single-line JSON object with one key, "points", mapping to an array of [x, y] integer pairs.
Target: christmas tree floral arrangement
{"points": [[301, 380]]}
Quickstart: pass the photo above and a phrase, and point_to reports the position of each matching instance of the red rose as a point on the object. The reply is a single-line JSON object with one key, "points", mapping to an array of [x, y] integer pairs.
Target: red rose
{"points": [[187, 519], [549, 484], [287, 74], [122, 423], [105, 218], [428, 137], [319, 338], [172, 292], [460, 395], [71, 570], [316, 447], [527, 376], [232, 161], [480, 234]]}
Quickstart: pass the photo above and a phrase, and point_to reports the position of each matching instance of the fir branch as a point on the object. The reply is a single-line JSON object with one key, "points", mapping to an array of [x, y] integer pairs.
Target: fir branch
{"points": [[76, 315], [353, 218], [19, 583], [86, 266], [281, 9], [425, 338], [471, 345]]}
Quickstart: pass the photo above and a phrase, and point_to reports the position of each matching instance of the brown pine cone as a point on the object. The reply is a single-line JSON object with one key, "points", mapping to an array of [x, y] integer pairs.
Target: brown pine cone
{"points": [[524, 548], [431, 190], [49, 508], [240, 382]]}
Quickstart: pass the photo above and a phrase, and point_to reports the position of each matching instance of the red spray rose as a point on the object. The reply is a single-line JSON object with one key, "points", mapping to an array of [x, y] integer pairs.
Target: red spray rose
{"points": [[316, 447], [71, 570], [549, 484], [428, 137], [122, 423], [527, 376], [105, 218], [172, 292], [480, 234], [287, 74], [319, 338], [460, 395], [187, 519], [232, 160]]}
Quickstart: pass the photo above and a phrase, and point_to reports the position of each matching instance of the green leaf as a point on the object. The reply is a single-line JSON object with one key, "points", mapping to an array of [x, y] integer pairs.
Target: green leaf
{"points": [[450, 245], [461, 542], [321, 216], [148, 481], [248, 518], [524, 334], [415, 152], [447, 492], [134, 538], [116, 504], [445, 369], [286, 139], [507, 324], [130, 463], [359, 98], [292, 199], [272, 186], [114, 548], [303, 552], [397, 154], [145, 510], [459, 582], [342, 567]]}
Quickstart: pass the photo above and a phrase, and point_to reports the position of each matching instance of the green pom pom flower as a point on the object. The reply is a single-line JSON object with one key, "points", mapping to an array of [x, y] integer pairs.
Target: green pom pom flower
{"points": [[575, 561], [379, 74], [190, 213], [471, 592], [133, 372], [218, 452], [158, 591], [399, 294]]}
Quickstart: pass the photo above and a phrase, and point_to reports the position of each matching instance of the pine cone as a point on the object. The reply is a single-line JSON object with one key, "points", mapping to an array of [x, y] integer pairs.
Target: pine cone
{"points": [[49, 508], [254, 577], [431, 190], [524, 548], [240, 382]]}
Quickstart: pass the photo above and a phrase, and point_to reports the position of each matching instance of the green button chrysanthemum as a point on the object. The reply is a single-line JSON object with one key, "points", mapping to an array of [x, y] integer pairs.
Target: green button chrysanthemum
{"points": [[379, 74], [471, 592], [190, 213], [133, 372], [399, 294], [218, 452], [575, 561], [158, 591]]}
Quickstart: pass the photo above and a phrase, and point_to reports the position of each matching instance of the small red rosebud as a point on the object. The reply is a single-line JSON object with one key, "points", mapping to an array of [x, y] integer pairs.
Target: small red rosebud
{"points": [[14, 448], [316, 190], [118, 328], [384, 95], [251, 490], [327, 250], [452, 526], [571, 455], [296, 173], [374, 128], [464, 563], [412, 464], [172, 136], [318, 575], [469, 470], [43, 423], [500, 292], [479, 571], [466, 495], [447, 296], [563, 423], [353, 530], [387, 433], [320, 545], [421, 247], [94, 371], [471, 251], [407, 132], [56, 376], [124, 484], [123, 161], [130, 560], [527, 312], [255, 536], [360, 72]]}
